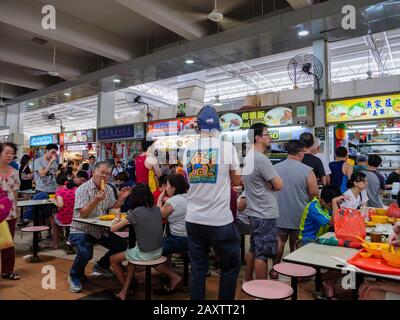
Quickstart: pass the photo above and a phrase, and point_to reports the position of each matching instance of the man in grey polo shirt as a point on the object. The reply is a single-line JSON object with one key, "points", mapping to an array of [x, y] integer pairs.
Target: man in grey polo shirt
{"points": [[90, 202], [45, 170]]}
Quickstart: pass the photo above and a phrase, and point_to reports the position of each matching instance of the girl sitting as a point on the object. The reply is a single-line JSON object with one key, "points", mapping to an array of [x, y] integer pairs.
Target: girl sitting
{"points": [[356, 194], [65, 200], [174, 210], [147, 221]]}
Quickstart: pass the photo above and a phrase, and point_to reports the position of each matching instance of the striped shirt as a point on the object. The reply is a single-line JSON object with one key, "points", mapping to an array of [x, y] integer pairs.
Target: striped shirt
{"points": [[85, 194]]}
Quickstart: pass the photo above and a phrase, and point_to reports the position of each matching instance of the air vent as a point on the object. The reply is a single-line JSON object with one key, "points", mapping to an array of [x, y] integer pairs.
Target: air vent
{"points": [[39, 40]]}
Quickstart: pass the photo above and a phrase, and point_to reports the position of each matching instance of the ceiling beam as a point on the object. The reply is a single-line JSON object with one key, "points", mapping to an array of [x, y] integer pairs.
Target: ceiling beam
{"points": [[10, 91], [30, 55], [26, 15], [15, 76], [159, 12], [298, 4]]}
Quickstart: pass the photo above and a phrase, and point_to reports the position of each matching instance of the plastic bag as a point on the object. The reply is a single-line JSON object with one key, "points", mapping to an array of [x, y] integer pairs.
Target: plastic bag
{"points": [[349, 224], [393, 210], [6, 240]]}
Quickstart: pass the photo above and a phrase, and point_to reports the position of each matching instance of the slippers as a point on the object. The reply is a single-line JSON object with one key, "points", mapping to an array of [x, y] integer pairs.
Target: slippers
{"points": [[11, 276]]}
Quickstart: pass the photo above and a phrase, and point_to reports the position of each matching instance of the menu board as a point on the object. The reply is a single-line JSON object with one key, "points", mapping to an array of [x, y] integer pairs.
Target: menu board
{"points": [[363, 108], [44, 140], [77, 137], [172, 127], [281, 116]]}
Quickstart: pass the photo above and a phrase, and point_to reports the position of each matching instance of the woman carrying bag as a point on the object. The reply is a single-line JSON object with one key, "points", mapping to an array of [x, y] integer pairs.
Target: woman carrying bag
{"points": [[9, 184]]}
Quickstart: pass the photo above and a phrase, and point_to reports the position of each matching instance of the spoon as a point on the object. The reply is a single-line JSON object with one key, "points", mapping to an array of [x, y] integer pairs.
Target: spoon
{"points": [[359, 238]]}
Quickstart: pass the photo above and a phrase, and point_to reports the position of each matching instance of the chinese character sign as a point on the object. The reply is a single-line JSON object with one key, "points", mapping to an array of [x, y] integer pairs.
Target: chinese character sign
{"points": [[367, 108]]}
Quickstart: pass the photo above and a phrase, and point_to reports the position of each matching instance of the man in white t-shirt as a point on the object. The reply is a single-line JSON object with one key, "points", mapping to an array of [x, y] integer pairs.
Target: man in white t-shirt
{"points": [[212, 166]]}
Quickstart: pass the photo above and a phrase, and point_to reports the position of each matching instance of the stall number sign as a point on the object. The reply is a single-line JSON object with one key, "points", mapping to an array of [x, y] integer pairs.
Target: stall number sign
{"points": [[366, 108], [274, 135]]}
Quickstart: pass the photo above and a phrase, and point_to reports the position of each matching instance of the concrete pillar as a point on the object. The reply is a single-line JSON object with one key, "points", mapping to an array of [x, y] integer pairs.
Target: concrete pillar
{"points": [[320, 50], [105, 109], [191, 91], [14, 120]]}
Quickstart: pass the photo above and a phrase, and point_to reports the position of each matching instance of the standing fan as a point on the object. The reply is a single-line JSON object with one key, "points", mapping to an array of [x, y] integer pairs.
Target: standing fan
{"points": [[306, 68], [52, 119]]}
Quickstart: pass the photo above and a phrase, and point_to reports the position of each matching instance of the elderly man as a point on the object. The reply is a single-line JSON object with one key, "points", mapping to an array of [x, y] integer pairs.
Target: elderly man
{"points": [[92, 199]]}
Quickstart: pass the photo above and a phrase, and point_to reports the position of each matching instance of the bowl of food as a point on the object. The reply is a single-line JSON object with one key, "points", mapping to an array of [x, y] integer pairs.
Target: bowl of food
{"points": [[380, 219], [375, 248], [391, 256]]}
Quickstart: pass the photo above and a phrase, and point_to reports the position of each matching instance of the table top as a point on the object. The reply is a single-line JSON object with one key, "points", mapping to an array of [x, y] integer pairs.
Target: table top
{"points": [[95, 221], [329, 257], [26, 203], [29, 191]]}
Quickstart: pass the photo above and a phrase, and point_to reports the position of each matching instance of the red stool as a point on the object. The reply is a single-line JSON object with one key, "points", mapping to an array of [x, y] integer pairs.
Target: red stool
{"points": [[148, 265], [267, 289], [294, 271], [35, 230]]}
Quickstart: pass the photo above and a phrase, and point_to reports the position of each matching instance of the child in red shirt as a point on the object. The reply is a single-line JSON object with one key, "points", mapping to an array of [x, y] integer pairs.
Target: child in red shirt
{"points": [[65, 201]]}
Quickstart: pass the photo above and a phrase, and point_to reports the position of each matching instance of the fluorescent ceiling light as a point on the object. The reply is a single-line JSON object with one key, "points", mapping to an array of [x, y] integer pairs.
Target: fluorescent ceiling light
{"points": [[368, 126], [303, 33], [70, 118], [189, 61], [67, 94], [117, 80], [31, 104]]}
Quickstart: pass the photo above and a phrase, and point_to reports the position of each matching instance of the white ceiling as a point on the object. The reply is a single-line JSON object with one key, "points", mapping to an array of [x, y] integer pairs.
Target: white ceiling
{"points": [[350, 59]]}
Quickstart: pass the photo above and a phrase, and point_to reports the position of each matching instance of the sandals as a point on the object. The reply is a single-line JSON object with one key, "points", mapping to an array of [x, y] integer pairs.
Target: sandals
{"points": [[165, 291], [11, 276], [273, 274]]}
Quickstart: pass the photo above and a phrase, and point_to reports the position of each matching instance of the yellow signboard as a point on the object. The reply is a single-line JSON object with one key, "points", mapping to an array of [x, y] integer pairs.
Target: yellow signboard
{"points": [[365, 108]]}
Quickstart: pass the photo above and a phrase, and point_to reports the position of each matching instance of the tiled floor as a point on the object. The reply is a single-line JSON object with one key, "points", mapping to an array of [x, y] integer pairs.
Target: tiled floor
{"points": [[30, 286]]}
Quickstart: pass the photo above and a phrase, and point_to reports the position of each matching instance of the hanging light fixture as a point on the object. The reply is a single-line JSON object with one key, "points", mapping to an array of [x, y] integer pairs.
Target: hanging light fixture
{"points": [[217, 102]]}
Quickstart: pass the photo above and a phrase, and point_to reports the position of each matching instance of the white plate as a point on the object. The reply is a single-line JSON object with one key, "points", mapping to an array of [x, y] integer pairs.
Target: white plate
{"points": [[230, 121], [278, 117]]}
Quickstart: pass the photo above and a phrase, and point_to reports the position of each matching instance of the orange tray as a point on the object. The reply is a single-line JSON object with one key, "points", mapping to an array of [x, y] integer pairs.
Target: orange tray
{"points": [[373, 264]]}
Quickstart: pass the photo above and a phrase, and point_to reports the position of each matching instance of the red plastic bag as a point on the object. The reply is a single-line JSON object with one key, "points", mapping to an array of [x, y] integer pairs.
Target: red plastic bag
{"points": [[348, 224], [393, 210]]}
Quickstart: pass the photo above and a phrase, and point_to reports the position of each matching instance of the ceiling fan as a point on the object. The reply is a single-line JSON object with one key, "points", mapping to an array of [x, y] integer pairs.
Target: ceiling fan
{"points": [[2, 103], [216, 15], [51, 72]]}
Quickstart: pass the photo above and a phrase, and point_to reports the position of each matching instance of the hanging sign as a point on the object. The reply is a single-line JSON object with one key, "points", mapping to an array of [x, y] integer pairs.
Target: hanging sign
{"points": [[44, 140], [116, 133], [288, 115], [78, 136], [363, 108], [171, 127]]}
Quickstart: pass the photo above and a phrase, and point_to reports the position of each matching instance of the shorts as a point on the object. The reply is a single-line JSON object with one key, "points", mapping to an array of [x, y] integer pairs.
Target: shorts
{"points": [[288, 232], [137, 255], [242, 227], [263, 239], [174, 244]]}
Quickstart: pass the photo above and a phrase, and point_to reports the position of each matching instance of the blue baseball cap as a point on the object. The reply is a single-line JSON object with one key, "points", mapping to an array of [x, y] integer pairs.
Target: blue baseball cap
{"points": [[208, 119]]}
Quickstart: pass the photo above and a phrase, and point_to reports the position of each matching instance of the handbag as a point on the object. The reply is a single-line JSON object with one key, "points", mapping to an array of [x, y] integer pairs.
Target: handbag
{"points": [[6, 240], [5, 205]]}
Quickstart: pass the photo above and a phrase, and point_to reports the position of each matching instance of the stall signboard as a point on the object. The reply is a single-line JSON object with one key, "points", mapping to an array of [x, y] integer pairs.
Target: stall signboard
{"points": [[281, 116], [363, 108], [77, 147], [172, 127], [38, 141], [80, 136], [116, 133]]}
